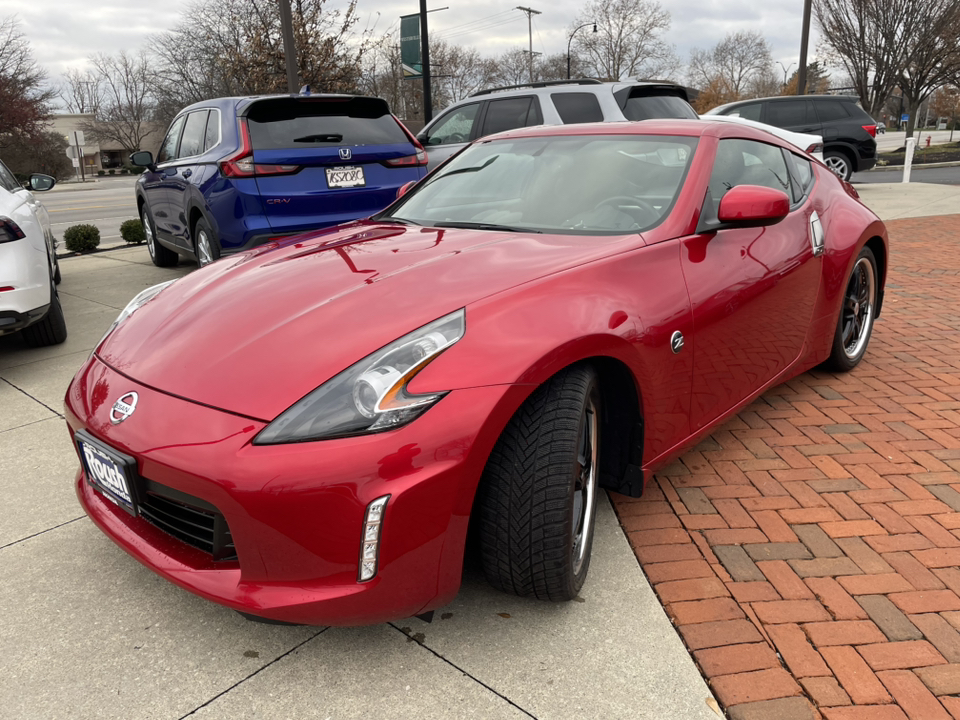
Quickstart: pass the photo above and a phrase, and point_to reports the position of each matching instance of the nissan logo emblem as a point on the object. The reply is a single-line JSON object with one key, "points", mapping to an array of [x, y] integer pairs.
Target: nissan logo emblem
{"points": [[123, 408]]}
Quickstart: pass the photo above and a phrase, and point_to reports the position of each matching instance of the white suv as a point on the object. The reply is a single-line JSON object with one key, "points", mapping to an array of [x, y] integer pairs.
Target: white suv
{"points": [[29, 270], [559, 102]]}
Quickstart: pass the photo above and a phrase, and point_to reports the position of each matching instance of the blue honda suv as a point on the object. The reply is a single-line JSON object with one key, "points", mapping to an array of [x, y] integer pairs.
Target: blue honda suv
{"points": [[233, 173]]}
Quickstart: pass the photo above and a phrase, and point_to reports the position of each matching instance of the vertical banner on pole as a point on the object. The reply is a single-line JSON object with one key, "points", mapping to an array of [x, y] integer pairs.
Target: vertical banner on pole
{"points": [[410, 46]]}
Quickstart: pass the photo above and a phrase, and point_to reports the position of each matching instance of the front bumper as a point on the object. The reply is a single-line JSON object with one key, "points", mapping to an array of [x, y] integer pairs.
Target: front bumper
{"points": [[296, 512]]}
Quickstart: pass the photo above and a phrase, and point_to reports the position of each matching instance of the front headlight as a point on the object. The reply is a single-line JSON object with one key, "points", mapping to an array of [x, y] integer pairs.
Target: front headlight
{"points": [[141, 299], [371, 395]]}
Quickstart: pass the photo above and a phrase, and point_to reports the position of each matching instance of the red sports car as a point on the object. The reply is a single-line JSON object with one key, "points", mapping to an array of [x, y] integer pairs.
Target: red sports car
{"points": [[306, 431]]}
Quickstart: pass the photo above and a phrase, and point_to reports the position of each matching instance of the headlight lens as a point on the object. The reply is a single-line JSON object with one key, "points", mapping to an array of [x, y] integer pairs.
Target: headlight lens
{"points": [[371, 395], [138, 302]]}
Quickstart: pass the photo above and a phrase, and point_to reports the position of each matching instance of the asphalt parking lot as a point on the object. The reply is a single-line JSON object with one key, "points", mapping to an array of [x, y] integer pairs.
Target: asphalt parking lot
{"points": [[90, 633]]}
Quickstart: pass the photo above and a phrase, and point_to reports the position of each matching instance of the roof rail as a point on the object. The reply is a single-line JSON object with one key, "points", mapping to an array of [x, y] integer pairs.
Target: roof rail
{"points": [[547, 83]]}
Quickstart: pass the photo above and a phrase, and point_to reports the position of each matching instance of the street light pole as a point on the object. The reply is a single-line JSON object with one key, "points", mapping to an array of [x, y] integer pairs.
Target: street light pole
{"points": [[289, 51], [530, 13], [785, 71], [425, 63], [804, 41], [570, 40]]}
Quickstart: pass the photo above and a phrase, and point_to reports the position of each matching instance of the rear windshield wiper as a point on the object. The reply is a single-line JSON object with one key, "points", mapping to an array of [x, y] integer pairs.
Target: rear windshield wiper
{"points": [[484, 226], [329, 137]]}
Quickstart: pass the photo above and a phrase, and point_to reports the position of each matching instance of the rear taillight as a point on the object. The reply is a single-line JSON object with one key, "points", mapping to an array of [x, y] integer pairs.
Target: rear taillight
{"points": [[872, 129], [10, 231], [241, 164], [815, 148], [418, 160]]}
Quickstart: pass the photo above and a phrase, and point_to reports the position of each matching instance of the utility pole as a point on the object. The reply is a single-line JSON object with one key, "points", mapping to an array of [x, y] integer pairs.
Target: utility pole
{"points": [[289, 51], [425, 61], [530, 13], [804, 41]]}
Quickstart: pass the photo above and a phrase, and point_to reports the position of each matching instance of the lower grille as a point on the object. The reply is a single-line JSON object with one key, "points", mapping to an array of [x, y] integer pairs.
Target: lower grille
{"points": [[203, 528]]}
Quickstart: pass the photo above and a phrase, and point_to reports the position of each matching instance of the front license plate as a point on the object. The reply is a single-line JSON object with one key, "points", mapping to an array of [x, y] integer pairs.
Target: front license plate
{"points": [[340, 177], [109, 471]]}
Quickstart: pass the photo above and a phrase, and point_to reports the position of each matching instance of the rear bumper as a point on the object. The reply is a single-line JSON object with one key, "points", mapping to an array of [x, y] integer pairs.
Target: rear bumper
{"points": [[11, 321], [296, 512]]}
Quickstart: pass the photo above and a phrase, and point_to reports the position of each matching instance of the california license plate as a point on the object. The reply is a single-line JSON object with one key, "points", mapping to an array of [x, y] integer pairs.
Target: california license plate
{"points": [[108, 470], [342, 177]]}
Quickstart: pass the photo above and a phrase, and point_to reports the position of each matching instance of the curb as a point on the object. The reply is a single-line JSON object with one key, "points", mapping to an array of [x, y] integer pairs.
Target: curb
{"points": [[914, 166], [95, 251]]}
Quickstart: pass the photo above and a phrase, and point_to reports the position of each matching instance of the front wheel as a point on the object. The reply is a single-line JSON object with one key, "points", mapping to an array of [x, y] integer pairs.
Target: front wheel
{"points": [[839, 163], [537, 500], [856, 314]]}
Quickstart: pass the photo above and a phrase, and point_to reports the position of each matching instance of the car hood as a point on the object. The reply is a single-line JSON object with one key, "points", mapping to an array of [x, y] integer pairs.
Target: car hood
{"points": [[255, 332]]}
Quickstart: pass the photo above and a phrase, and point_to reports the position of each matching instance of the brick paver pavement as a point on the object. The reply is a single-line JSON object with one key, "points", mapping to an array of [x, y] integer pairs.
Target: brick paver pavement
{"points": [[808, 551]]}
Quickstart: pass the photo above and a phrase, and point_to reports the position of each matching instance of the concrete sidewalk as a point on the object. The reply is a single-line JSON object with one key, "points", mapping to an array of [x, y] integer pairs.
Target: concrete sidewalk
{"points": [[87, 632], [907, 200]]}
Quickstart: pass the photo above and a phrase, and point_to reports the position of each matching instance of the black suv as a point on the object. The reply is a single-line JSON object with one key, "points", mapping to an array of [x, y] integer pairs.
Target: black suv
{"points": [[848, 131]]}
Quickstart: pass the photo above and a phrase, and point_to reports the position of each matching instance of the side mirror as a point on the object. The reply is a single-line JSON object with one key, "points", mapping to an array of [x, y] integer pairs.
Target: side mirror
{"points": [[405, 188], [753, 206], [40, 182], [143, 158]]}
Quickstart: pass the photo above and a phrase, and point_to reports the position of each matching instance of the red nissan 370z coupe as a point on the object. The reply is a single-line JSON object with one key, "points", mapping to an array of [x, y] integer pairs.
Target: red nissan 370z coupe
{"points": [[305, 431]]}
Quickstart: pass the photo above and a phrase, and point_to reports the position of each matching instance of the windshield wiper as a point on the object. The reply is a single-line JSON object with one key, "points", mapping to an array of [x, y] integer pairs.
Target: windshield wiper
{"points": [[484, 226], [319, 138], [392, 219]]}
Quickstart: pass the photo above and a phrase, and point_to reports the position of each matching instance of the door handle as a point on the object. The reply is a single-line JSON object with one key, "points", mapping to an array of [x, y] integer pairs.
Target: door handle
{"points": [[187, 173]]}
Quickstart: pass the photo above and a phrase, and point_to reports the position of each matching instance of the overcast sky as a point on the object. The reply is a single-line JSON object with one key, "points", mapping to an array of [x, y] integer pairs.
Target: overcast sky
{"points": [[64, 32]]}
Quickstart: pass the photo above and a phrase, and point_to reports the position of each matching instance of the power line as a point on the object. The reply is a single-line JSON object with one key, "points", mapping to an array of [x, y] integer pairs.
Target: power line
{"points": [[477, 21], [447, 35]]}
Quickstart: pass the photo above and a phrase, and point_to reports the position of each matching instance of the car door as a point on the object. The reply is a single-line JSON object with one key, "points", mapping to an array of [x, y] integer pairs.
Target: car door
{"points": [[451, 131], [181, 173], [155, 184], [752, 290], [796, 115], [509, 114]]}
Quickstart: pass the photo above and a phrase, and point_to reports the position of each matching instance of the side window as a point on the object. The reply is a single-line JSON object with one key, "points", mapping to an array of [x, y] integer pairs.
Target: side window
{"points": [[212, 135], [192, 142], [168, 151], [510, 113], [455, 127], [577, 107], [8, 179], [790, 113], [748, 112], [801, 174], [747, 162], [829, 111]]}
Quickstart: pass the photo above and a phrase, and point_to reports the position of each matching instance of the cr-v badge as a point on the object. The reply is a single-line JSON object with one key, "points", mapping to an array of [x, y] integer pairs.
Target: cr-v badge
{"points": [[123, 408]]}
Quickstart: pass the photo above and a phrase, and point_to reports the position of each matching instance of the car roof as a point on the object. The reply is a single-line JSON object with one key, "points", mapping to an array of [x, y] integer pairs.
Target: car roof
{"points": [[243, 102], [669, 126], [782, 98], [576, 85]]}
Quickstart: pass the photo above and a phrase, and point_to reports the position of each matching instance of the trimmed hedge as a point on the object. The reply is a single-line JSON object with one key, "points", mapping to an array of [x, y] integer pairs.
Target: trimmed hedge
{"points": [[81, 238], [132, 231]]}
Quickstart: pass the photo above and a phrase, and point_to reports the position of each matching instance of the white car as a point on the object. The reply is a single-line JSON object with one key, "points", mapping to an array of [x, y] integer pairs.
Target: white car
{"points": [[810, 144], [29, 270]]}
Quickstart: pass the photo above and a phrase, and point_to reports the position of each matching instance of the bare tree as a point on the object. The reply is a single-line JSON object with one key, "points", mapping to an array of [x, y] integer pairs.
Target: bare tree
{"points": [[932, 56], [234, 47], [628, 41], [739, 66], [460, 71], [125, 107], [818, 80], [81, 91], [24, 96]]}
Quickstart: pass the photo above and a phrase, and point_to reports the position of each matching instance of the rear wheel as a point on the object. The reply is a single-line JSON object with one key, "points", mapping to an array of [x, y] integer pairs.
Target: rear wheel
{"points": [[207, 246], [52, 330], [161, 256], [856, 314], [839, 163], [538, 497]]}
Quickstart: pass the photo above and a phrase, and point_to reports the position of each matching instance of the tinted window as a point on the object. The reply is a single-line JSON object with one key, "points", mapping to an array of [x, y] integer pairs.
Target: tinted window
{"points": [[802, 175], [510, 113], [789, 114], [192, 141], [639, 107], [830, 110], [291, 123], [7, 179], [747, 162], [577, 107], [212, 135], [580, 185], [168, 151], [454, 127], [748, 112]]}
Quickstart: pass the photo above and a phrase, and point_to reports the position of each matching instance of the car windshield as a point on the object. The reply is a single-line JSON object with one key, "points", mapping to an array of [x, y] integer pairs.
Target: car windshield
{"points": [[582, 184]]}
